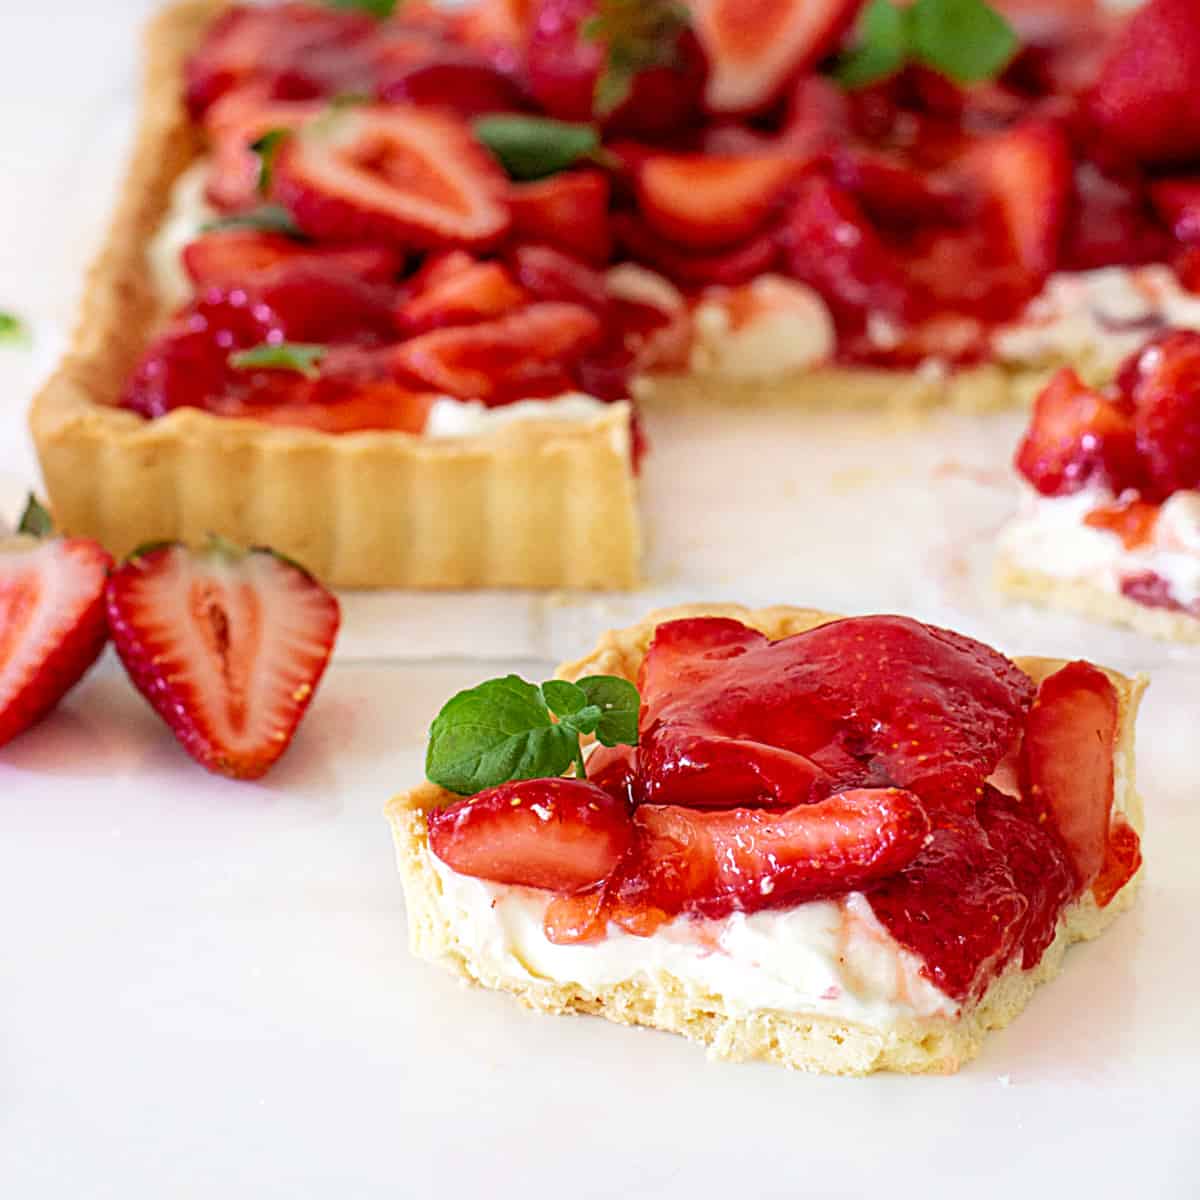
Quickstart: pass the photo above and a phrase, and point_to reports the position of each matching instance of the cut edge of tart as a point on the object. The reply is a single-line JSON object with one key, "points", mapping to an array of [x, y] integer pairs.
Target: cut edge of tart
{"points": [[929, 1041], [467, 513], [538, 504]]}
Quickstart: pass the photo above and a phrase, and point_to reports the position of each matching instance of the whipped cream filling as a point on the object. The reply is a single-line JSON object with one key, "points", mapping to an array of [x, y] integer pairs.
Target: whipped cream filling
{"points": [[826, 957], [1050, 536], [451, 418], [1097, 318], [187, 213]]}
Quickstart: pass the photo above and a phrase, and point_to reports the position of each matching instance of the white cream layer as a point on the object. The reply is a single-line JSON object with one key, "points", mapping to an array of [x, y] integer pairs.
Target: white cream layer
{"points": [[1050, 536], [830, 957], [451, 418]]}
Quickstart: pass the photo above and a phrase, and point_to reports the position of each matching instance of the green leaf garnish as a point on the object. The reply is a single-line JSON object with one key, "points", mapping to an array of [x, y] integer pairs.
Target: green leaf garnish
{"points": [[965, 40], [533, 147], [12, 329], [266, 147], [301, 357], [636, 35], [376, 8], [503, 730], [36, 520], [267, 218]]}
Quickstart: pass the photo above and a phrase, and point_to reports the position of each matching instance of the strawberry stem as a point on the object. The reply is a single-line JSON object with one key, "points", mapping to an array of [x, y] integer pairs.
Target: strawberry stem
{"points": [[637, 35]]}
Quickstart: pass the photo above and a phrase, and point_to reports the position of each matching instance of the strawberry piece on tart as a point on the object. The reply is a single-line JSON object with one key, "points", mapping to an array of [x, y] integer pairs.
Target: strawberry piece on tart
{"points": [[227, 646], [844, 845], [1110, 525]]}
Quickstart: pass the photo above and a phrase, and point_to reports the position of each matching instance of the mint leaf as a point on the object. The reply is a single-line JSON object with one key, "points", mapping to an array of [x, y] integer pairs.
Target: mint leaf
{"points": [[882, 49], [967, 40], [35, 520], [267, 218], [266, 147], [503, 730], [376, 8], [533, 147], [12, 329], [301, 357]]}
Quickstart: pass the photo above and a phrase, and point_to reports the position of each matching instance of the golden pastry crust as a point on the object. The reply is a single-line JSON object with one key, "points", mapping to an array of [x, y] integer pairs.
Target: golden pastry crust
{"points": [[1088, 600], [805, 1041], [541, 505]]}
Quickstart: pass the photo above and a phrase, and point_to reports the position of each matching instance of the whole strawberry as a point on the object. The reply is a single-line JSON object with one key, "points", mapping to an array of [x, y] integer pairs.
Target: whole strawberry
{"points": [[634, 64], [52, 623], [227, 645]]}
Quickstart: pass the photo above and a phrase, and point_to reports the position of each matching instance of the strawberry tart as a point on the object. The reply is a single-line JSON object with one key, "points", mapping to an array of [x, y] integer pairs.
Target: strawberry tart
{"points": [[384, 283], [839, 844], [1110, 523]]}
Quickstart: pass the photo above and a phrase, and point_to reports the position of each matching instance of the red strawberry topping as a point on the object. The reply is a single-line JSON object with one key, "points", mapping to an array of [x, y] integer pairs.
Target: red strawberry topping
{"points": [[549, 274], [227, 647], [401, 175], [1163, 382], [52, 625], [1178, 203], [725, 268], [229, 257], [479, 291], [568, 211]]}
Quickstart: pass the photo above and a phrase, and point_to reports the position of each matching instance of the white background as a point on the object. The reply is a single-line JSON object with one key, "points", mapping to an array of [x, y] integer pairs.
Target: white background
{"points": [[204, 986]]}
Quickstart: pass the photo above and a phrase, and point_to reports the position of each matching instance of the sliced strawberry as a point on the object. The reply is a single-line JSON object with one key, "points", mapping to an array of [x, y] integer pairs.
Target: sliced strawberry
{"points": [[1122, 858], [1025, 173], [529, 353], [568, 210], [1131, 519], [895, 194], [957, 906], [1145, 103], [549, 274], [754, 50], [301, 49], [829, 244], [318, 300], [483, 291], [1067, 762], [228, 648], [1111, 221], [649, 318], [52, 625], [563, 835], [455, 81], [727, 268], [818, 118], [1077, 435], [710, 202], [1165, 389], [1177, 202], [572, 43], [228, 257], [187, 364], [743, 859], [403, 176], [614, 768]]}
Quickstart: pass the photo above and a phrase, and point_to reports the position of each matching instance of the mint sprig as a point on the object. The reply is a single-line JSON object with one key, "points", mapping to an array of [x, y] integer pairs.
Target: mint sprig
{"points": [[12, 329], [36, 520], [301, 357], [267, 147], [266, 218], [965, 40], [376, 8], [533, 147], [505, 729]]}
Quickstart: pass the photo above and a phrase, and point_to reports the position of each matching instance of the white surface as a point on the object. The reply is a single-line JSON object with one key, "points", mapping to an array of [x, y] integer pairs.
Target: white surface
{"points": [[204, 989]]}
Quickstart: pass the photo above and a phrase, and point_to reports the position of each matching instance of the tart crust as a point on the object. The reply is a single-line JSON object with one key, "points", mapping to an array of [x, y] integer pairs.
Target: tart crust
{"points": [[1088, 600], [542, 504], [805, 1041]]}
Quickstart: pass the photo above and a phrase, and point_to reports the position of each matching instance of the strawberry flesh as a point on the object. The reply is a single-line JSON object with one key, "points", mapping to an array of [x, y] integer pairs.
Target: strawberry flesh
{"points": [[568, 211], [52, 625], [563, 835], [228, 649], [1163, 384]]}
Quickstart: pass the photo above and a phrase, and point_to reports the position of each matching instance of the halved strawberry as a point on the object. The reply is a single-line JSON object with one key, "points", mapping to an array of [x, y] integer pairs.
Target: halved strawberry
{"points": [[1077, 435], [52, 624], [746, 859], [709, 202], [528, 353], [563, 835], [1164, 383], [317, 299], [227, 646], [1177, 202], [1067, 762], [228, 257], [1146, 103], [829, 244], [568, 210], [738, 264], [1111, 221], [1025, 174], [479, 292], [754, 50], [404, 176], [549, 274], [456, 81], [896, 194]]}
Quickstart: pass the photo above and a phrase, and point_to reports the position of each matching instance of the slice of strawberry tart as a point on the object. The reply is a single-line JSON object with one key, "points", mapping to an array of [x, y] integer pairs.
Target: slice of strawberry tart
{"points": [[840, 844]]}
